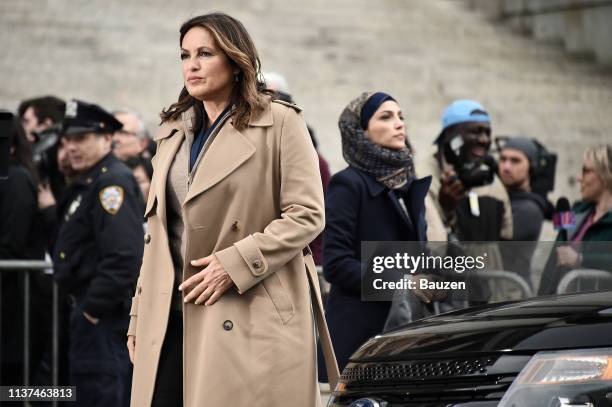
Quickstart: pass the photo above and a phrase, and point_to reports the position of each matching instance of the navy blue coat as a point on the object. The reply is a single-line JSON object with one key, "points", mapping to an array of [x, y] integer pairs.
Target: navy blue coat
{"points": [[359, 208]]}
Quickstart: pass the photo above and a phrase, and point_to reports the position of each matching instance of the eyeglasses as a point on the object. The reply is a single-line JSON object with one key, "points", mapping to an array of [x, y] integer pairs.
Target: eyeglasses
{"points": [[127, 133], [586, 170]]}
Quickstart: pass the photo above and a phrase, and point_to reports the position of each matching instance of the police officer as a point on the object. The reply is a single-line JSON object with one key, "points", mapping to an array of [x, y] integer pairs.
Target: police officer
{"points": [[97, 255]]}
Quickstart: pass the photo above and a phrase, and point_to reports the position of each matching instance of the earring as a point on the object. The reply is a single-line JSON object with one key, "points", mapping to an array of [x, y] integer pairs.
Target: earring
{"points": [[236, 78]]}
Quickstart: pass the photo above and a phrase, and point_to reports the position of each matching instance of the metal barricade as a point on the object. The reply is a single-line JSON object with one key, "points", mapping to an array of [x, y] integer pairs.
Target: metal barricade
{"points": [[508, 277], [577, 276], [27, 266], [487, 276], [502, 277]]}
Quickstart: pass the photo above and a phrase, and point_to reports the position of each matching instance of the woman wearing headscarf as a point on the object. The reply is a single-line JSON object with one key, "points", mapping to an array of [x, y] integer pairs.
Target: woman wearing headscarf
{"points": [[377, 198], [223, 312]]}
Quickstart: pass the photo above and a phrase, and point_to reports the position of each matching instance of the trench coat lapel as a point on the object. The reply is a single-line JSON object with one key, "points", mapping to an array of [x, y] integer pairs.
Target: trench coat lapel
{"points": [[164, 156], [226, 153]]}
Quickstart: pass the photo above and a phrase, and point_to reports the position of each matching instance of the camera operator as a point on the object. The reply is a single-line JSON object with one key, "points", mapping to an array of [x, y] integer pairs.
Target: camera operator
{"points": [[474, 203], [470, 198], [38, 114], [518, 166], [39, 117]]}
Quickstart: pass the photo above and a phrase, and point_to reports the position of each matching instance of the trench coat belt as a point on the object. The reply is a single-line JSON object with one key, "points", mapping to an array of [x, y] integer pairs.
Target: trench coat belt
{"points": [[326, 345]]}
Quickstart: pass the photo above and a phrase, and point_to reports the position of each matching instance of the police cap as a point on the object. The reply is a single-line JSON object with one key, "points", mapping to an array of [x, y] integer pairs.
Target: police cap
{"points": [[82, 117]]}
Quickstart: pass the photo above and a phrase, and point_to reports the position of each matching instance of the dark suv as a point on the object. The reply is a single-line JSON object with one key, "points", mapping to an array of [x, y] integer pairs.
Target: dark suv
{"points": [[550, 351]]}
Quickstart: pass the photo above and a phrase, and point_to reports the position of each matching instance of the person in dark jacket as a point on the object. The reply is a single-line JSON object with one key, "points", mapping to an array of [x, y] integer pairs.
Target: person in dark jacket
{"points": [[317, 245], [143, 172], [39, 117], [593, 223], [97, 255], [20, 239], [517, 161], [377, 198], [480, 212], [51, 203]]}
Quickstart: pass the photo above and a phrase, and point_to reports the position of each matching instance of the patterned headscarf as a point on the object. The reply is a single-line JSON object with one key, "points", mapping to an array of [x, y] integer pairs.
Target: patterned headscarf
{"points": [[392, 168]]}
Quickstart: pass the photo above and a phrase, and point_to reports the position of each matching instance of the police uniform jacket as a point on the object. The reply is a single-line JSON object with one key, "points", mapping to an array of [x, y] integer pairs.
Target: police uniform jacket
{"points": [[99, 247]]}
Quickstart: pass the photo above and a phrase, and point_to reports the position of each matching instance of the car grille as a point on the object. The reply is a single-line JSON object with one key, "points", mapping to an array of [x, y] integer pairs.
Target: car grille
{"points": [[426, 382], [417, 369]]}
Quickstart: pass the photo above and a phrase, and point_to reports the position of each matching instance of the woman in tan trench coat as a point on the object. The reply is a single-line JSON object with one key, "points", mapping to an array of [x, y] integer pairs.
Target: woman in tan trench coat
{"points": [[235, 198]]}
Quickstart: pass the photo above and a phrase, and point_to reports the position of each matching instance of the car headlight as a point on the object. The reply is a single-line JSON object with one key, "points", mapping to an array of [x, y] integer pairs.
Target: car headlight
{"points": [[563, 378]]}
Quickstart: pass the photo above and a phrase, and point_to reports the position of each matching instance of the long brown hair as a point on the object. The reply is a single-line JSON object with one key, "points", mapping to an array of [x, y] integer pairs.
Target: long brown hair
{"points": [[249, 93], [21, 149]]}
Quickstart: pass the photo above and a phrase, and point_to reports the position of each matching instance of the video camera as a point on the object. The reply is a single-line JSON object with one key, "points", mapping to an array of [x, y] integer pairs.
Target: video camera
{"points": [[44, 151], [543, 175], [471, 172]]}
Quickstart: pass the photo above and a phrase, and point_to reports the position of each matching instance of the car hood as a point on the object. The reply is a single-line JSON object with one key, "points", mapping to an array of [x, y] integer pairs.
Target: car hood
{"points": [[559, 322]]}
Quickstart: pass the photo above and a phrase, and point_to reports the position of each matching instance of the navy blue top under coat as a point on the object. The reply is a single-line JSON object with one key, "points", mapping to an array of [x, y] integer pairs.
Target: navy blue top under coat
{"points": [[203, 134]]}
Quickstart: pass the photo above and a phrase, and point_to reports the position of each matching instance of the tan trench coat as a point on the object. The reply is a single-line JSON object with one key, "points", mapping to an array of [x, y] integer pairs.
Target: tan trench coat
{"points": [[255, 201]]}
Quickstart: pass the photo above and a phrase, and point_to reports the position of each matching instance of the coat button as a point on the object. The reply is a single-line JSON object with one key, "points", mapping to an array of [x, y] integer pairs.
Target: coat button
{"points": [[228, 325], [147, 238], [62, 255], [257, 264], [235, 226]]}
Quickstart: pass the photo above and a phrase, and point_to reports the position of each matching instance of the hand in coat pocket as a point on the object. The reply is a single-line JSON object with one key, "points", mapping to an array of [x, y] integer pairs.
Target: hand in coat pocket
{"points": [[208, 285]]}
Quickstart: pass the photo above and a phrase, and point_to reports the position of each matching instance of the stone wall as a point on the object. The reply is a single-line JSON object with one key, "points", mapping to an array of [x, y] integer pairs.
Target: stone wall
{"points": [[426, 53]]}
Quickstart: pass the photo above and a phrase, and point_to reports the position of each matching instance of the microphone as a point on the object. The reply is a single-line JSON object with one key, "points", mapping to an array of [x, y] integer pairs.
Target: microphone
{"points": [[563, 218]]}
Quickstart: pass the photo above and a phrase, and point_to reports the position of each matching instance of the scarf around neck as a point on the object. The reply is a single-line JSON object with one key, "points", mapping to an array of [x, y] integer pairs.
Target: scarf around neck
{"points": [[392, 168]]}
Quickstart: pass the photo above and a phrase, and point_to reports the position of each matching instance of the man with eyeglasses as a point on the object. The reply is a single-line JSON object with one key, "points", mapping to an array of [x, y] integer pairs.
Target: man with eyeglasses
{"points": [[132, 139]]}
